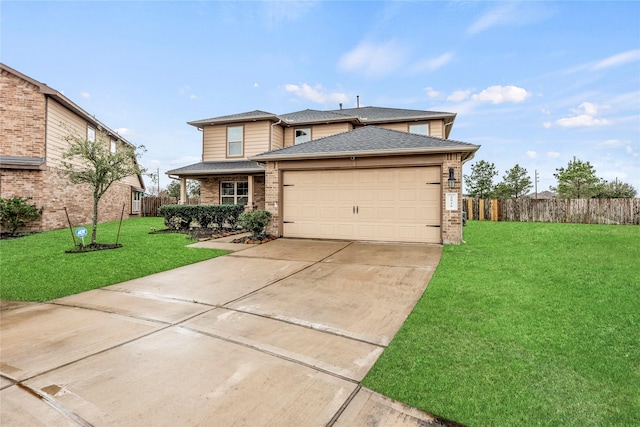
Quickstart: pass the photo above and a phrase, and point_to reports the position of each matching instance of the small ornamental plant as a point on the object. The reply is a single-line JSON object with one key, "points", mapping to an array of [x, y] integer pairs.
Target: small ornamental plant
{"points": [[17, 212], [255, 222]]}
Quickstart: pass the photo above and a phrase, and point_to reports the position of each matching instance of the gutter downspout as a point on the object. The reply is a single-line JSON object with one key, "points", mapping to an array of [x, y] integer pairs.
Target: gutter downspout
{"points": [[271, 133]]}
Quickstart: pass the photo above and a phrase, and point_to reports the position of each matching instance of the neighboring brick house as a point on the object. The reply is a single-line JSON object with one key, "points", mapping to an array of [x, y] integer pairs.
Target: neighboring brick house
{"points": [[34, 121], [370, 173]]}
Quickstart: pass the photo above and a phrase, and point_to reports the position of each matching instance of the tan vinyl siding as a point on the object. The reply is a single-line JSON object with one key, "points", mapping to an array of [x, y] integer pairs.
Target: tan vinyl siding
{"points": [[255, 140], [317, 131], [60, 123], [214, 143], [402, 127], [277, 137], [436, 127]]}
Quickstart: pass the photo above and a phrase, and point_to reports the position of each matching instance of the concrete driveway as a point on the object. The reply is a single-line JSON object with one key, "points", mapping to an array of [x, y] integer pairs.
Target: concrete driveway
{"points": [[274, 335]]}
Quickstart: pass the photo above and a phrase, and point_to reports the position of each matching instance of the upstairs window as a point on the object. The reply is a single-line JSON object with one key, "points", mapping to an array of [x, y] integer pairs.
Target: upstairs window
{"points": [[422, 129], [234, 193], [112, 147], [234, 141], [91, 134], [302, 135]]}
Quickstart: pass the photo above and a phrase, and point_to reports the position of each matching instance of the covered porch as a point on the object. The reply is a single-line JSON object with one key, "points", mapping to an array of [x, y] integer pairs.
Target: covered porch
{"points": [[237, 183]]}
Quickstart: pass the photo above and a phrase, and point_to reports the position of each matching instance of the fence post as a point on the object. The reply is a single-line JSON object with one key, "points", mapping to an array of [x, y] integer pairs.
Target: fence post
{"points": [[481, 213]]}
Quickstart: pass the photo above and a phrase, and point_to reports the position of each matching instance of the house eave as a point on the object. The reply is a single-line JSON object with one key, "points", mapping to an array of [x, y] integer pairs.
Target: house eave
{"points": [[364, 153]]}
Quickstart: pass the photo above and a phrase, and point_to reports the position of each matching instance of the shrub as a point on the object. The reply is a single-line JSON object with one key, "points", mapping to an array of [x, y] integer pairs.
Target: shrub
{"points": [[17, 212], [255, 222], [180, 217]]}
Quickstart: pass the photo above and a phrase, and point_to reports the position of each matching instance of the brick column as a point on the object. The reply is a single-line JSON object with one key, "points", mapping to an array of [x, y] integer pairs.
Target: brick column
{"points": [[452, 219], [272, 197]]}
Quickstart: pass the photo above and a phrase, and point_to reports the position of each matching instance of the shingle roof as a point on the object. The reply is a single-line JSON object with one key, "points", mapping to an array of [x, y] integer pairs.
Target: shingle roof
{"points": [[218, 168], [248, 116], [379, 114], [369, 140], [309, 116]]}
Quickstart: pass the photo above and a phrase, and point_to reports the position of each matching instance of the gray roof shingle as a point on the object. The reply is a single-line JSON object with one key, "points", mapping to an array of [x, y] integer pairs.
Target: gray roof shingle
{"points": [[381, 114], [218, 168], [367, 140], [309, 116], [249, 115]]}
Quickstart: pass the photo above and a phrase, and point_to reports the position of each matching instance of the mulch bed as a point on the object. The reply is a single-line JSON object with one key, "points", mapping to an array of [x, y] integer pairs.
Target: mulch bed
{"points": [[250, 240], [92, 247]]}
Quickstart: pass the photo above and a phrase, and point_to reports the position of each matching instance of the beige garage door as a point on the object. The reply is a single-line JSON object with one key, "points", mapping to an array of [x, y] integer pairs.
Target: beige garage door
{"points": [[387, 204]]}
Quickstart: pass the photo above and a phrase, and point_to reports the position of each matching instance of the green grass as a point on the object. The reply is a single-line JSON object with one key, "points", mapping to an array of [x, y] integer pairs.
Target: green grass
{"points": [[36, 268], [526, 324]]}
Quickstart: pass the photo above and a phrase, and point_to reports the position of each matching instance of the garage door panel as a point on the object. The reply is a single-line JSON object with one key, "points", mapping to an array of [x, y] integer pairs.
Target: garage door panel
{"points": [[388, 204]]}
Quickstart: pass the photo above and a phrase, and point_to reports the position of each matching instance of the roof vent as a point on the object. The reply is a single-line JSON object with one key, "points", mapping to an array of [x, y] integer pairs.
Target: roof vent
{"points": [[341, 105]]}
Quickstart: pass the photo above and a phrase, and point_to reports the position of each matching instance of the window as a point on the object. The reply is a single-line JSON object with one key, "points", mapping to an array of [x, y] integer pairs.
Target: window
{"points": [[113, 146], [234, 193], [234, 141], [137, 197], [302, 135], [91, 134], [422, 129]]}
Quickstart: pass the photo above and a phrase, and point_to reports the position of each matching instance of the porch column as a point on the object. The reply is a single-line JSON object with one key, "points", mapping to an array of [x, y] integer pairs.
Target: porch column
{"points": [[183, 191], [251, 185]]}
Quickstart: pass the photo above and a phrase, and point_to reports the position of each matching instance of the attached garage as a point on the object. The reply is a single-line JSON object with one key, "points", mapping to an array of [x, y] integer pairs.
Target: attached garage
{"points": [[370, 184], [376, 204]]}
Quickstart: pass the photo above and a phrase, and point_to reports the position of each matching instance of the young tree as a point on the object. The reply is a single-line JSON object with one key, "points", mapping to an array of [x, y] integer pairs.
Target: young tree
{"points": [[616, 190], [515, 183], [93, 163], [480, 183], [193, 188], [173, 189], [577, 181]]}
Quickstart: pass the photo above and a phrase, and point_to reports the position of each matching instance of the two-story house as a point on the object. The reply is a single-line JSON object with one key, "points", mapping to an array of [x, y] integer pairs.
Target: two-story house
{"points": [[370, 173], [34, 122]]}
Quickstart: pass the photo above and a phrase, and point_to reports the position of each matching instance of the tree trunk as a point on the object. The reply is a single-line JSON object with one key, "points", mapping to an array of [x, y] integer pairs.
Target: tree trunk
{"points": [[94, 232]]}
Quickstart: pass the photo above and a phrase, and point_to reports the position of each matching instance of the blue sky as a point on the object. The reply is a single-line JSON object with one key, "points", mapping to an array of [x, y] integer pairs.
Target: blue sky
{"points": [[534, 83]]}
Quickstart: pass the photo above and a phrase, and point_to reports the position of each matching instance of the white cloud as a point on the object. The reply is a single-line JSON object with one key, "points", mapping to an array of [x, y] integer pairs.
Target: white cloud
{"points": [[431, 93], [545, 111], [433, 63], [619, 59], [374, 60], [629, 149], [500, 15], [584, 117], [553, 154], [511, 13], [611, 143], [256, 85], [546, 125], [532, 154], [85, 95], [193, 96], [500, 94], [459, 95], [316, 94]]}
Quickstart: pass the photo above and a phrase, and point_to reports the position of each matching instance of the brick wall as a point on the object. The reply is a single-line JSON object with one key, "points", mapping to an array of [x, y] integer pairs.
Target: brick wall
{"points": [[452, 220], [210, 189], [272, 197], [51, 189], [22, 117]]}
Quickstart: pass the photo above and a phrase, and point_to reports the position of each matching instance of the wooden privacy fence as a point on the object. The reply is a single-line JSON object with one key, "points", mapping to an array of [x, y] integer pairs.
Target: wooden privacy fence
{"points": [[582, 211], [151, 204]]}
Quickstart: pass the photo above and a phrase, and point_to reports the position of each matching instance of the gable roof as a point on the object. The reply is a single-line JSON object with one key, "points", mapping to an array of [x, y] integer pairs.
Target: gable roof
{"points": [[368, 141]]}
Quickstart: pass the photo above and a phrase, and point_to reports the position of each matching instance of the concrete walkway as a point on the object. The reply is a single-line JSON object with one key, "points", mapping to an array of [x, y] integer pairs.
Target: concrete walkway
{"points": [[278, 334]]}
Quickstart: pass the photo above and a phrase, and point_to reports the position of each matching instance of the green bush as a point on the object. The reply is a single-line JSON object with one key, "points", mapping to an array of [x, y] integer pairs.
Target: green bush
{"points": [[255, 222], [16, 212], [180, 217]]}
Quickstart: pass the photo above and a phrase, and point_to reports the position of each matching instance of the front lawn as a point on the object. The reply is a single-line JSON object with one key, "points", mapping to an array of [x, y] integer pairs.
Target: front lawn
{"points": [[526, 324], [36, 268]]}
